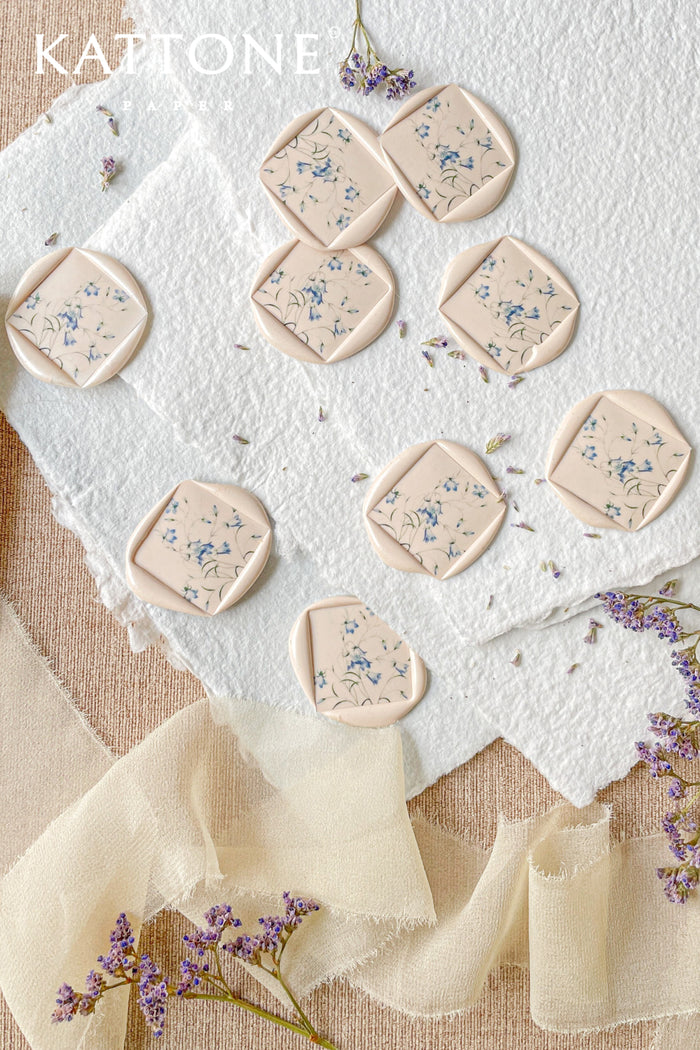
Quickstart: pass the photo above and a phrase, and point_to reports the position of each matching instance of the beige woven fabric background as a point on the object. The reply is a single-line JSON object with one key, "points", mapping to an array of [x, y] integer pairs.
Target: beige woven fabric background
{"points": [[125, 696]]}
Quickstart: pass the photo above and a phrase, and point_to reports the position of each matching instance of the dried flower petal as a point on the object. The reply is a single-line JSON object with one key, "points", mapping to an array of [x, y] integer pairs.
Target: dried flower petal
{"points": [[490, 601], [428, 358], [554, 570], [437, 340], [112, 125], [104, 111], [539, 481], [517, 658], [401, 325], [483, 373], [521, 525], [669, 588], [459, 355], [515, 381], [496, 442], [50, 241], [239, 346], [240, 440], [109, 170], [572, 668], [321, 416], [592, 535], [359, 477], [514, 470]]}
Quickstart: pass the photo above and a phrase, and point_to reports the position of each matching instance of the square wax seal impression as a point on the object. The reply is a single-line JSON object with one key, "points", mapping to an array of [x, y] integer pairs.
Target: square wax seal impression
{"points": [[451, 156], [618, 460], [76, 318], [326, 177], [435, 509], [508, 306], [322, 306], [352, 666], [200, 549]]}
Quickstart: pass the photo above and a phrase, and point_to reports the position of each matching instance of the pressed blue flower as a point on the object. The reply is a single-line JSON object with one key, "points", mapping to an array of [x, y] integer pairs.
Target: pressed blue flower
{"points": [[423, 191], [512, 310], [391, 498], [428, 537], [171, 507], [204, 550], [448, 156], [351, 626], [315, 292], [657, 439], [314, 314], [622, 467], [401, 669], [548, 289], [285, 190], [612, 511], [453, 552], [483, 291], [335, 263], [342, 222], [590, 424], [323, 171], [450, 485], [468, 163], [645, 468], [169, 536], [534, 314], [488, 263], [32, 301], [423, 131], [320, 679], [68, 339], [224, 548], [190, 593], [344, 135], [71, 318], [120, 295], [91, 288], [431, 513], [351, 193], [485, 143], [433, 105], [276, 277], [589, 452], [494, 350], [374, 678], [338, 328], [358, 660], [364, 271], [302, 165], [479, 491]]}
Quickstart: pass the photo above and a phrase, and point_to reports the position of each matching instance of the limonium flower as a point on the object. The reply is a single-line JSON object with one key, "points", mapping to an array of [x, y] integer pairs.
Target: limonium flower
{"points": [[364, 72], [201, 973], [676, 740]]}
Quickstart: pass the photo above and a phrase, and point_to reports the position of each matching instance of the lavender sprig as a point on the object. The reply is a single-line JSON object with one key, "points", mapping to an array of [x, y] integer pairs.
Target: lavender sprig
{"points": [[363, 71], [677, 739], [201, 973], [109, 170]]}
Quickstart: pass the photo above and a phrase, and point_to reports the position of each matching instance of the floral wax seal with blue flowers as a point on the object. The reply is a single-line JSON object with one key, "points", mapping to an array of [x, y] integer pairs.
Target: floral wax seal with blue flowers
{"points": [[322, 306], [618, 460], [452, 157], [434, 510], [352, 666], [327, 179], [508, 306], [200, 549], [75, 318]]}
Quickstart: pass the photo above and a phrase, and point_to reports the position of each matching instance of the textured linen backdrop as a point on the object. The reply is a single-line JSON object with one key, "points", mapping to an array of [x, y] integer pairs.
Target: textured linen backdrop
{"points": [[124, 696]]}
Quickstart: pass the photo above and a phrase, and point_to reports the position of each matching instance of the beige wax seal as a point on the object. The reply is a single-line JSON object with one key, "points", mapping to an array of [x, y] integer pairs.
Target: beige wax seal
{"points": [[435, 509], [451, 156], [75, 318], [618, 460], [326, 177], [200, 549], [322, 306], [352, 666], [508, 306]]}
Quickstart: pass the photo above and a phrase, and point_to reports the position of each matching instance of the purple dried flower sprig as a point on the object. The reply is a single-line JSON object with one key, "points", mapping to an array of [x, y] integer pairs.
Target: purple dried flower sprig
{"points": [[364, 72], [109, 170], [494, 443], [677, 739], [402, 326], [201, 973], [359, 477], [437, 341]]}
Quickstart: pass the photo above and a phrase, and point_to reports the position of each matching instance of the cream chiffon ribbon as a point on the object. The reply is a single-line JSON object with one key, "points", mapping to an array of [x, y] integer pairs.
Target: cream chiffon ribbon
{"points": [[239, 809]]}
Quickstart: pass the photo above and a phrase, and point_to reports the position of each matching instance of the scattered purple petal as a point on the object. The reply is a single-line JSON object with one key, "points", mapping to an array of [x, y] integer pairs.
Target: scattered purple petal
{"points": [[109, 170], [401, 325], [112, 125], [239, 346], [515, 381], [517, 658], [50, 241], [514, 470], [428, 358], [321, 416], [490, 602], [556, 573], [539, 481], [483, 373], [669, 588], [521, 525], [240, 440], [572, 668], [592, 535], [104, 111], [459, 355], [359, 477], [436, 341]]}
